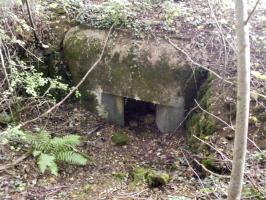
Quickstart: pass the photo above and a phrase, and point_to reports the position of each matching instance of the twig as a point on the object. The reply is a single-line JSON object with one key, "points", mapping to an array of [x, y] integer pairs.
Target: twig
{"points": [[197, 64], [213, 115], [224, 43], [252, 12], [214, 159], [4, 66], [16, 162], [221, 120], [209, 171], [6, 75], [224, 156], [191, 110], [54, 190], [95, 129], [196, 174]]}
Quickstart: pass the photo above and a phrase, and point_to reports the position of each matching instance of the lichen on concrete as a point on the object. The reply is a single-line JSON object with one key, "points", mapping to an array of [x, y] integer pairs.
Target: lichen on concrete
{"points": [[149, 70]]}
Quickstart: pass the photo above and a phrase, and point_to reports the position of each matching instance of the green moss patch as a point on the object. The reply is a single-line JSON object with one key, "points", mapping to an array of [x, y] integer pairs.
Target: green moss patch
{"points": [[120, 176], [139, 175], [157, 179], [151, 177], [120, 139]]}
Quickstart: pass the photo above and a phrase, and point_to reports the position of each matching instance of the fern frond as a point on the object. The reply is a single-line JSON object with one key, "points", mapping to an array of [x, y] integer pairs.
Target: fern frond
{"points": [[65, 143], [40, 141], [46, 161], [50, 150], [71, 158], [69, 140]]}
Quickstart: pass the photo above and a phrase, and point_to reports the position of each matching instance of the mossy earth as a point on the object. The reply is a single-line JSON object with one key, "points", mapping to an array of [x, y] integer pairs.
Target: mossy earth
{"points": [[120, 139], [151, 177]]}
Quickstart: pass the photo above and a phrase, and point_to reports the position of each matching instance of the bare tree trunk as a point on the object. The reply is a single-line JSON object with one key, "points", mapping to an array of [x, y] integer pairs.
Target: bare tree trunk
{"points": [[37, 40], [243, 95]]}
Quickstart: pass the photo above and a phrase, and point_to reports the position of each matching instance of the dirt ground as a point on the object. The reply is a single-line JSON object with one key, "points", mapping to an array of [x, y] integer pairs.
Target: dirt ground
{"points": [[148, 149]]}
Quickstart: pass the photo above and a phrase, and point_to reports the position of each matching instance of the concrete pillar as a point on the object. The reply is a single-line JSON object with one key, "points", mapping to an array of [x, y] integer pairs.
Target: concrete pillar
{"points": [[114, 108], [168, 117]]}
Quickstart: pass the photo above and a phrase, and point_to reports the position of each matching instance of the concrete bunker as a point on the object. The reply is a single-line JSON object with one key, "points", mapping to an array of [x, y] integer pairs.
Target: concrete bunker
{"points": [[144, 70]]}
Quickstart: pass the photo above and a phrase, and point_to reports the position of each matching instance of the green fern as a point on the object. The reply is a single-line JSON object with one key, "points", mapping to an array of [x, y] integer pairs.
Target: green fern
{"points": [[66, 143], [40, 141], [50, 150], [71, 158], [47, 161]]}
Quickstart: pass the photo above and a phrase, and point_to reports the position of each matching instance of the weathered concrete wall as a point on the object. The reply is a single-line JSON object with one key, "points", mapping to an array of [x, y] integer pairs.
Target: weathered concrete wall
{"points": [[150, 71]]}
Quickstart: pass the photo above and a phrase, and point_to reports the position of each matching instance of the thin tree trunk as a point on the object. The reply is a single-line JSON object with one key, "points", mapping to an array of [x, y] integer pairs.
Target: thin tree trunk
{"points": [[243, 96], [37, 40]]}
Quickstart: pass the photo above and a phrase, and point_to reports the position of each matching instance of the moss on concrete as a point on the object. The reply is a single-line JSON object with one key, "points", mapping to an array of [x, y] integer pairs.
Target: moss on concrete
{"points": [[147, 71]]}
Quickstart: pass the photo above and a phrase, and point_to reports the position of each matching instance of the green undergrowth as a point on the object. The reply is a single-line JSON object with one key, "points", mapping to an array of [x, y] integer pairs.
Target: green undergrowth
{"points": [[200, 123], [49, 151], [120, 176], [125, 14]]}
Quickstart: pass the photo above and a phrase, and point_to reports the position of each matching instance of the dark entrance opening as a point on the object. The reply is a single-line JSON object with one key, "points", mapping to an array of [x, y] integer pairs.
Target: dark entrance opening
{"points": [[139, 114]]}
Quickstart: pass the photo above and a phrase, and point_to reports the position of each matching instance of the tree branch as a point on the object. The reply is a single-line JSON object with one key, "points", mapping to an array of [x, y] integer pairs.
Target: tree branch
{"points": [[197, 64], [16, 162], [252, 12]]}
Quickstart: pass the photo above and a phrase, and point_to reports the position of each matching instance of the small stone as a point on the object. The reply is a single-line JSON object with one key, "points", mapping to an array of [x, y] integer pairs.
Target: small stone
{"points": [[120, 139]]}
